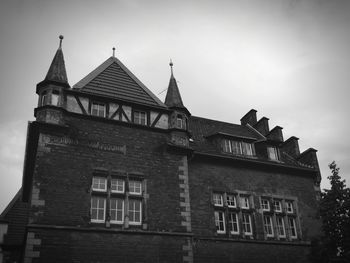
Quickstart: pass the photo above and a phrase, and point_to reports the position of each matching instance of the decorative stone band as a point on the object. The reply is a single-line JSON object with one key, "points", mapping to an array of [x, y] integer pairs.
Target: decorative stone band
{"points": [[55, 140]]}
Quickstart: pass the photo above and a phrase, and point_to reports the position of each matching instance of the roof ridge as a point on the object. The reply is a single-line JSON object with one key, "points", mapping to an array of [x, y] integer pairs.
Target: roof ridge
{"points": [[230, 123]]}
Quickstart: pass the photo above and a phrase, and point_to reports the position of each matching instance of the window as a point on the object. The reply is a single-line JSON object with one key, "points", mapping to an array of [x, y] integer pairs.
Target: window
{"points": [[44, 98], [280, 227], [247, 224], [268, 226], [135, 187], [98, 109], [117, 210], [231, 200], [292, 227], [134, 212], [117, 185], [277, 206], [265, 205], [180, 122], [112, 192], [98, 209], [233, 223], [140, 117], [272, 153], [238, 147], [99, 184], [220, 221], [217, 199], [289, 207], [54, 97], [244, 202]]}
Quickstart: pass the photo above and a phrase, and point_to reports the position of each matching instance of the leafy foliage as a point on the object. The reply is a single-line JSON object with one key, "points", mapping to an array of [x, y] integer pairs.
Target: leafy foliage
{"points": [[335, 214]]}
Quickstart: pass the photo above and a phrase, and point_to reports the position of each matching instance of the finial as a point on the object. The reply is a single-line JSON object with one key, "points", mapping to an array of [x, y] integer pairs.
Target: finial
{"points": [[113, 51], [60, 37], [171, 66]]}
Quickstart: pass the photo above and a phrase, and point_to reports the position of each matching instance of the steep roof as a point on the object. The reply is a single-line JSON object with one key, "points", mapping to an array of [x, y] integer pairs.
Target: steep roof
{"points": [[113, 79], [57, 71], [173, 97]]}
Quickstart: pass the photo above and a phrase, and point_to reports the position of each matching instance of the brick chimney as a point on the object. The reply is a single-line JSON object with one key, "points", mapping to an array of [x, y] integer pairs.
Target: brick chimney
{"points": [[262, 126], [249, 118], [291, 146], [276, 134]]}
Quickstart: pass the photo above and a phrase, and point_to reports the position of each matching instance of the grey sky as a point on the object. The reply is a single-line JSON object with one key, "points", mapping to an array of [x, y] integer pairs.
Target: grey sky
{"points": [[288, 59]]}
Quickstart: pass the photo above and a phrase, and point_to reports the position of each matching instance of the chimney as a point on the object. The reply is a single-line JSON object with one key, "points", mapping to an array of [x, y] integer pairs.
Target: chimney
{"points": [[291, 146], [249, 118], [262, 126], [309, 157], [276, 134]]}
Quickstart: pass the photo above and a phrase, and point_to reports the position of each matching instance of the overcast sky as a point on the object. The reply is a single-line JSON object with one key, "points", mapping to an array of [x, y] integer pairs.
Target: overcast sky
{"points": [[288, 59]]}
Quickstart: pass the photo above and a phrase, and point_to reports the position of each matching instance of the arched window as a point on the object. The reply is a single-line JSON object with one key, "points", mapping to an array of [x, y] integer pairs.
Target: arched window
{"points": [[54, 97]]}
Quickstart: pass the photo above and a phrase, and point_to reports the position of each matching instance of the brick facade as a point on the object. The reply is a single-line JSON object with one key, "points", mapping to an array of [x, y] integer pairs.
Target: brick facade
{"points": [[112, 174]]}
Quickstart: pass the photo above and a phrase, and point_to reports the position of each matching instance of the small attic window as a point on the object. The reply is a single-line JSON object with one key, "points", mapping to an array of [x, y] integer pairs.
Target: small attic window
{"points": [[272, 153], [54, 97], [98, 109], [140, 117]]}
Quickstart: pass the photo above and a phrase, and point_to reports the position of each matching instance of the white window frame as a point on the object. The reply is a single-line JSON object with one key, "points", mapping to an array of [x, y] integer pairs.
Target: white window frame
{"points": [[140, 117], [292, 226], [227, 146], [233, 223], [217, 200], [133, 188], [246, 223], [272, 153], [218, 221], [231, 199], [236, 147], [244, 202], [268, 225], [247, 149], [98, 209], [98, 107], [277, 208], [116, 210], [280, 226], [117, 180], [99, 178], [289, 207], [135, 211], [265, 206]]}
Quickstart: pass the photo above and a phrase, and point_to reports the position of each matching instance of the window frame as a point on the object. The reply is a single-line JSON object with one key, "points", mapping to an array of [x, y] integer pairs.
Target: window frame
{"points": [[133, 192], [228, 202], [272, 153], [117, 191], [232, 223], [217, 221], [244, 200], [140, 212], [280, 226], [289, 204], [263, 206], [221, 203], [292, 227], [245, 223], [267, 220], [99, 189], [98, 110], [137, 117], [116, 209], [279, 206], [98, 208]]}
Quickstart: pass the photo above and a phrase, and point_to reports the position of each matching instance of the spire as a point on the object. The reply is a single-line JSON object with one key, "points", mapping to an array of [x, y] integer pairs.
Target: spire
{"points": [[173, 97], [57, 70]]}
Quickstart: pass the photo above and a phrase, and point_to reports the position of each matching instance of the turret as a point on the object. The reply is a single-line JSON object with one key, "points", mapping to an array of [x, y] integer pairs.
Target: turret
{"points": [[50, 90], [178, 121]]}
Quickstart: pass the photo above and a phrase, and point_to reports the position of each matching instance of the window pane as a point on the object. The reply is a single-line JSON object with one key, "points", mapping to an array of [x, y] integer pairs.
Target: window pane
{"points": [[236, 147], [231, 200], [268, 226], [280, 227], [54, 99], [217, 198], [246, 222], [226, 146], [233, 223], [247, 148], [244, 202], [117, 185], [135, 187], [272, 153], [98, 207], [219, 221], [134, 211], [99, 183]]}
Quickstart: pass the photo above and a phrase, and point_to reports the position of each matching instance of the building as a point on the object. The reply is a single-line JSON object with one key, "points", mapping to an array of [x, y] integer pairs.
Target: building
{"points": [[113, 174]]}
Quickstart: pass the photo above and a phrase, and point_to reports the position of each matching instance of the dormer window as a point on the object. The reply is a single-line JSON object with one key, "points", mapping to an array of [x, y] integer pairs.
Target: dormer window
{"points": [[238, 147], [140, 117], [98, 109], [54, 97], [272, 153]]}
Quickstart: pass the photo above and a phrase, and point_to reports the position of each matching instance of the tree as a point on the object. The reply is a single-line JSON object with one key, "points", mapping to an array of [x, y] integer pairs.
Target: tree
{"points": [[335, 215]]}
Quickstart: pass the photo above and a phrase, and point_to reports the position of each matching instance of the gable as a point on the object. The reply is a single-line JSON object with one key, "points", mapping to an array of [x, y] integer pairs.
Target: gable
{"points": [[112, 79]]}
